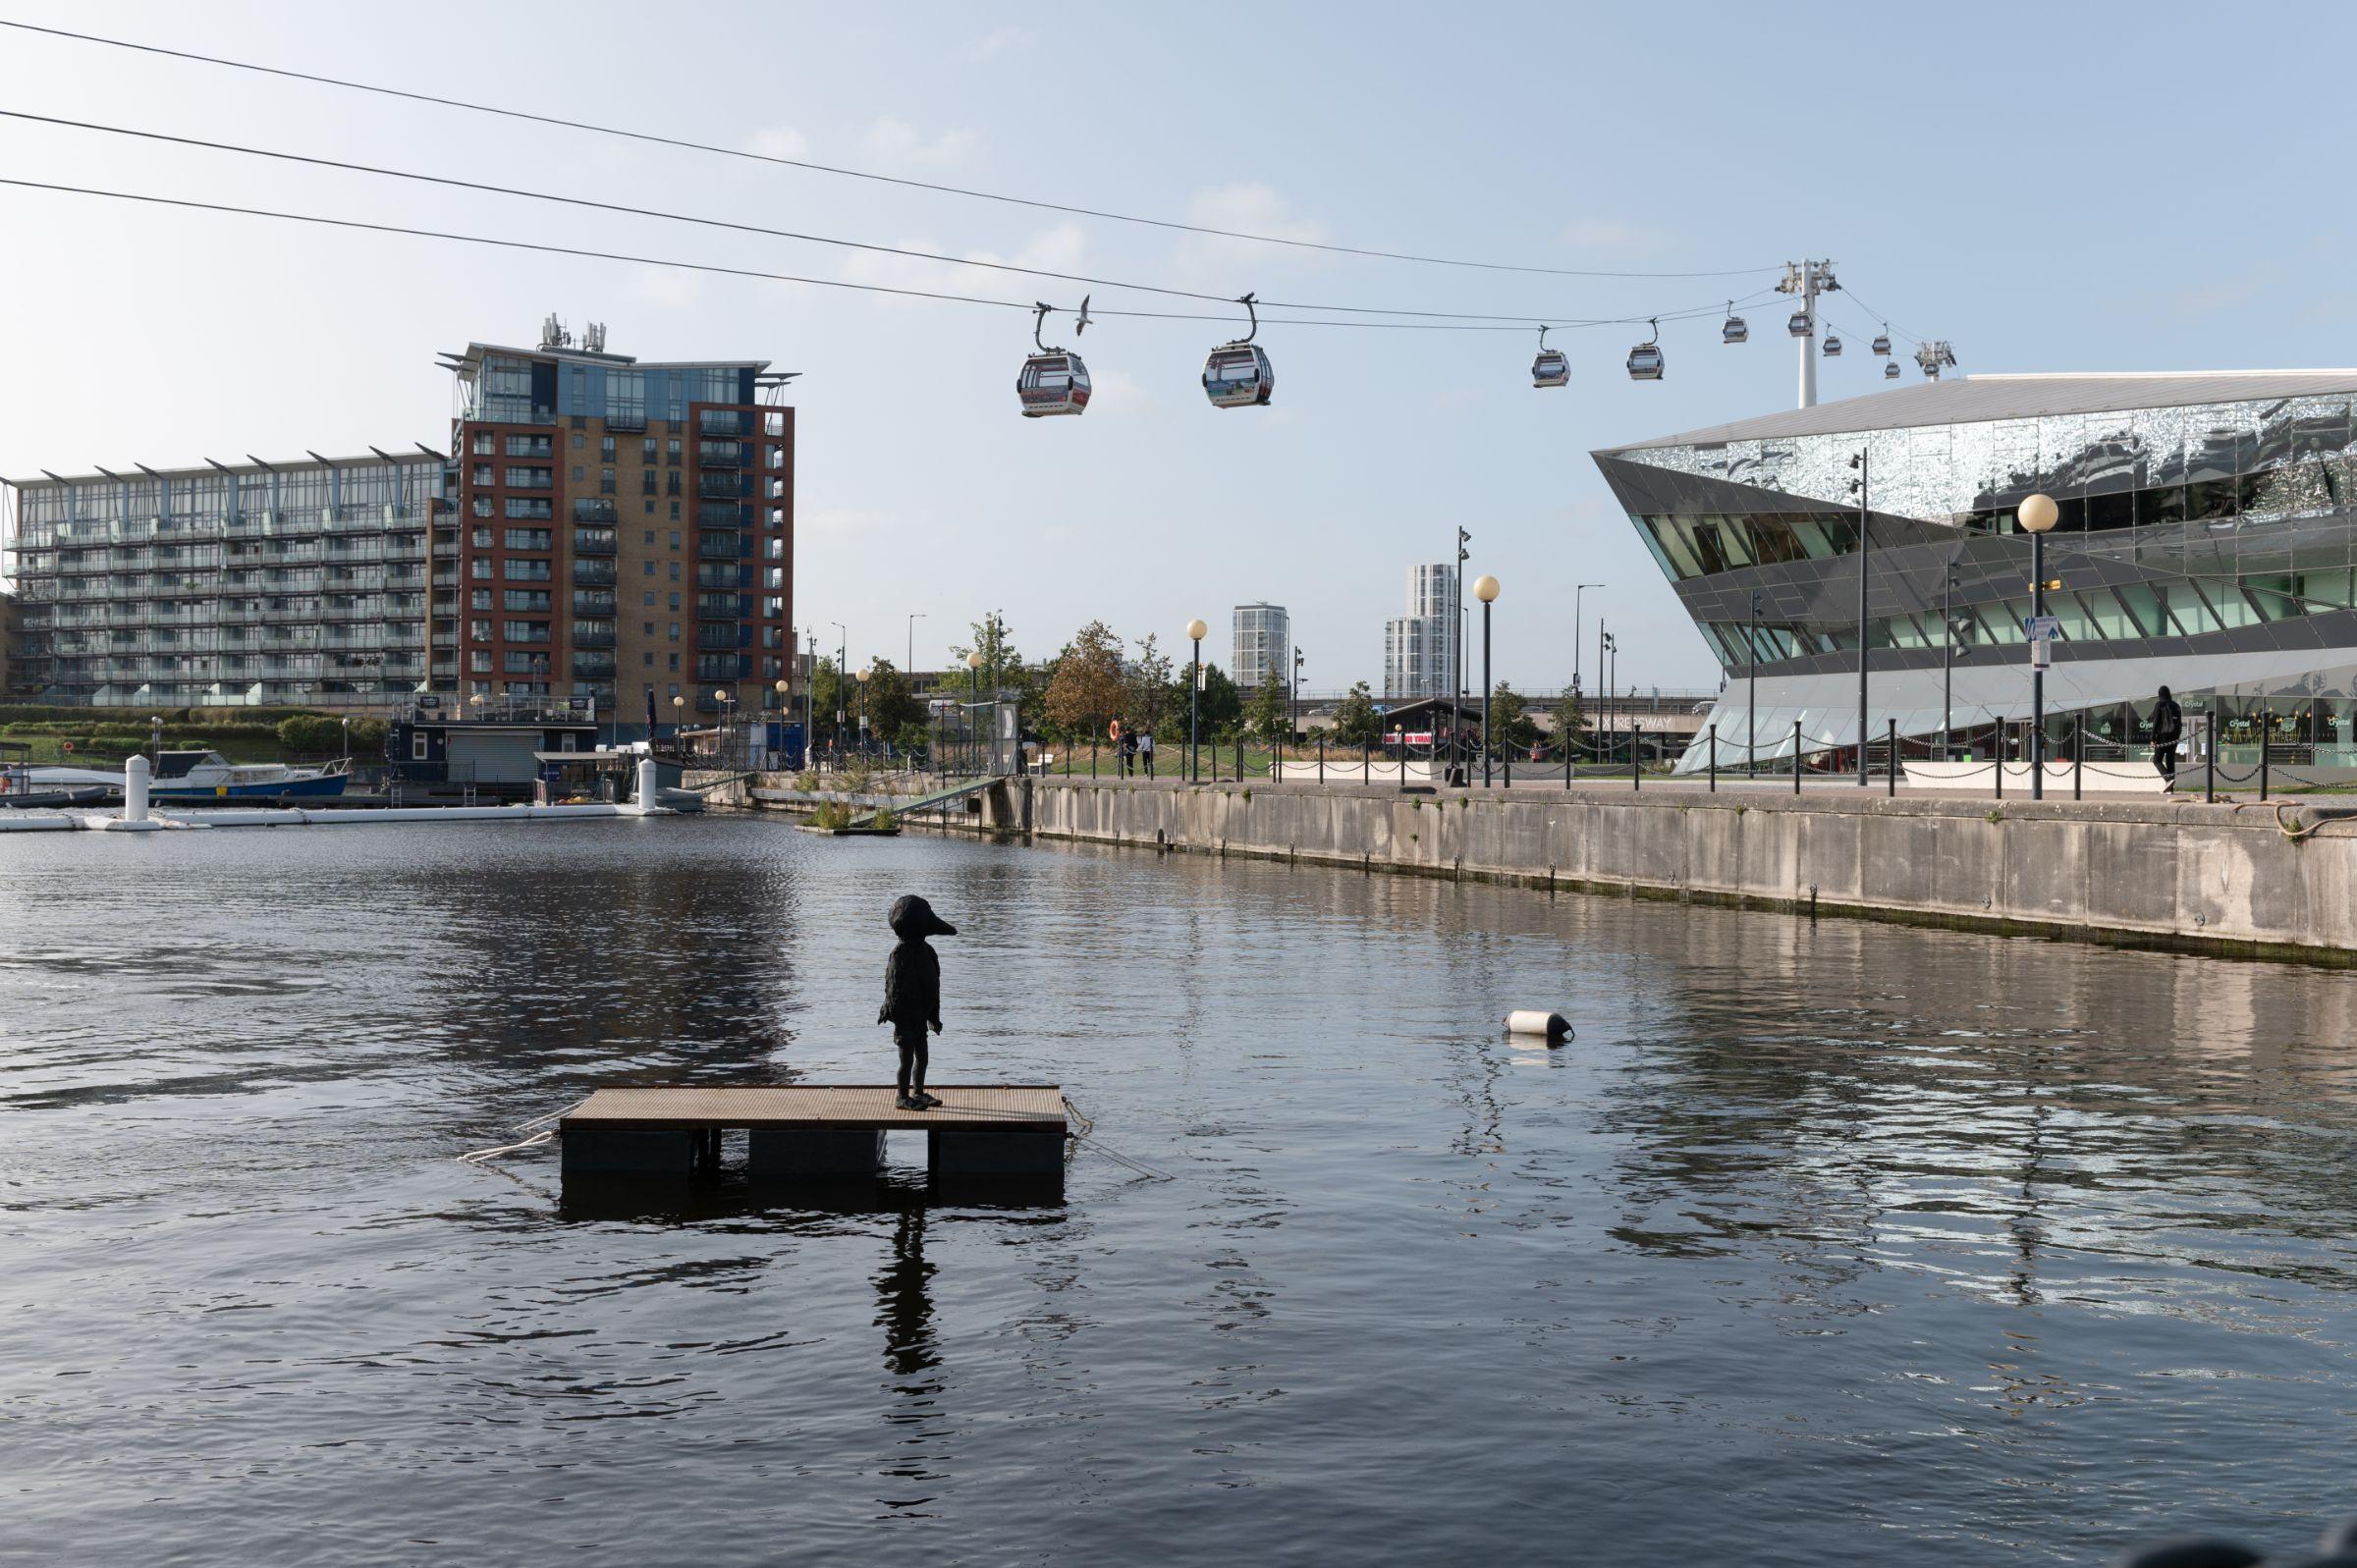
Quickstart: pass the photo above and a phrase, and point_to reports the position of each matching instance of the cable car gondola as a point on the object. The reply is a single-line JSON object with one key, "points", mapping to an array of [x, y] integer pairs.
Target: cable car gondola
{"points": [[1645, 360], [1550, 369], [1053, 381], [1800, 326], [1239, 375], [1832, 345], [1734, 330], [1882, 341], [1889, 370]]}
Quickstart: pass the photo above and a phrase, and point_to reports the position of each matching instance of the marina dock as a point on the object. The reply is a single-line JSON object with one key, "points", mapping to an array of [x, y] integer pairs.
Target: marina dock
{"points": [[831, 1130]]}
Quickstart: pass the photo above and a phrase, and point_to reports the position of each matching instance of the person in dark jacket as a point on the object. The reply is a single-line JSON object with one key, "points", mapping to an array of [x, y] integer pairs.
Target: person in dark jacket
{"points": [[2169, 728], [913, 994]]}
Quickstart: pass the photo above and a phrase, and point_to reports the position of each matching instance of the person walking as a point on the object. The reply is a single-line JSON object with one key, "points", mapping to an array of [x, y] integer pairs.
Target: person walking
{"points": [[1145, 750], [1128, 752], [2168, 730]]}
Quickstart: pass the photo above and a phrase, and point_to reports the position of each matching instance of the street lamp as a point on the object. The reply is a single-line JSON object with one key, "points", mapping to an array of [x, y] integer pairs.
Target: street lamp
{"points": [[2037, 514], [863, 674], [1293, 728], [1751, 715], [1486, 590], [1195, 631], [1577, 589], [1857, 460], [973, 688], [678, 723]]}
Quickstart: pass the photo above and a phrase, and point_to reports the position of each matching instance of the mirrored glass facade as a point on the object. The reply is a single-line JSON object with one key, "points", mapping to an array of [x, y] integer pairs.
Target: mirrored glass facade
{"points": [[2207, 544]]}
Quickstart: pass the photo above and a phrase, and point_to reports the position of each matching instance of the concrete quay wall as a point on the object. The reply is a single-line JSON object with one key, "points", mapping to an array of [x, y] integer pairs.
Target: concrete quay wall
{"points": [[2249, 880]]}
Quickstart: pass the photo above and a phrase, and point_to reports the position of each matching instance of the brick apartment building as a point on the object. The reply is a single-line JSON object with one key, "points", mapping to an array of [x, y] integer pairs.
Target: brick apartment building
{"points": [[623, 530]]}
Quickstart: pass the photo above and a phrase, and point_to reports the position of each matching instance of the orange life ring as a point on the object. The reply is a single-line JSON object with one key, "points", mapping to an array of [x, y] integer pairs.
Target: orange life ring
{"points": [[69, 747], [1112, 730]]}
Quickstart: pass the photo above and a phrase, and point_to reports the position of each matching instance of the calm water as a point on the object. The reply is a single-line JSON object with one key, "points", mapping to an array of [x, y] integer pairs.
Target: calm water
{"points": [[1840, 1243]]}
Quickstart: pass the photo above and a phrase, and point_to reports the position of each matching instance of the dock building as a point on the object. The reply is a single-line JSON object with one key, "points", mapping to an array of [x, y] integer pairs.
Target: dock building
{"points": [[2207, 543]]}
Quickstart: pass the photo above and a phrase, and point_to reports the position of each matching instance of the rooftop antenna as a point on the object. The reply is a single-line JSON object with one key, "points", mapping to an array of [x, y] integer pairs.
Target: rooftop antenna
{"points": [[594, 336]]}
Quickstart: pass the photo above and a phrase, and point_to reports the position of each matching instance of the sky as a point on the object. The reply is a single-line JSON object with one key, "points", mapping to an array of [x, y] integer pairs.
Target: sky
{"points": [[2049, 187]]}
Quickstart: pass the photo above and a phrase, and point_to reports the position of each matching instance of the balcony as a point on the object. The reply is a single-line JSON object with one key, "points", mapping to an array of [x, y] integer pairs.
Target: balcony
{"points": [[716, 634], [723, 423], [593, 509], [592, 602], [593, 666], [625, 418], [593, 574], [719, 453], [723, 486], [593, 634], [592, 541], [723, 667], [720, 546], [720, 606], [723, 515], [724, 576]]}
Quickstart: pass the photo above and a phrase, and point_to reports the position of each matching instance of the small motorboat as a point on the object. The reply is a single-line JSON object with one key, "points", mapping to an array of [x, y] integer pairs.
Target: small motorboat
{"points": [[209, 776]]}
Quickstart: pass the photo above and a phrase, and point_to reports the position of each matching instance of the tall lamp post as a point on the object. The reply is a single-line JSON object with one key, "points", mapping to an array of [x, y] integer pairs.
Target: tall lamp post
{"points": [[909, 669], [863, 674], [1751, 714], [973, 688], [1195, 632], [2037, 514], [1293, 729], [1857, 460], [1486, 590], [842, 659], [785, 711], [1578, 590], [1947, 662]]}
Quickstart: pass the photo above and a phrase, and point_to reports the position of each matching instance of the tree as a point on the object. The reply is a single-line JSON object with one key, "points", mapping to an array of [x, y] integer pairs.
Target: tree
{"points": [[1148, 684], [1571, 718], [891, 706], [826, 697], [1270, 716], [1220, 710], [1087, 692], [1509, 726], [1355, 720]]}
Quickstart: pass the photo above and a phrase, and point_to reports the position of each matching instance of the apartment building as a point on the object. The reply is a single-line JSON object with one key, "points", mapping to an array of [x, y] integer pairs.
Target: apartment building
{"points": [[256, 582], [623, 530]]}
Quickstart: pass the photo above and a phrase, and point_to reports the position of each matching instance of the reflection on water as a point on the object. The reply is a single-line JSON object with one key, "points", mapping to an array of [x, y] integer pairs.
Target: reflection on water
{"points": [[1857, 1244]]}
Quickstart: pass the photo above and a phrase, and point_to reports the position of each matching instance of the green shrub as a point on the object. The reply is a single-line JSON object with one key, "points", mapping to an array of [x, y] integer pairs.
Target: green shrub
{"points": [[314, 733]]}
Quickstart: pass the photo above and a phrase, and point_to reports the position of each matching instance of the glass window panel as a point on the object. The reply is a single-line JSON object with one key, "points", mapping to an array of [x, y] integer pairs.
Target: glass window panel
{"points": [[2114, 511], [1905, 632], [1702, 537], [2211, 501], [2109, 616], [2164, 506], [1733, 540], [1672, 549], [1772, 541], [2147, 614], [2273, 595], [2077, 624], [2229, 603], [2325, 588]]}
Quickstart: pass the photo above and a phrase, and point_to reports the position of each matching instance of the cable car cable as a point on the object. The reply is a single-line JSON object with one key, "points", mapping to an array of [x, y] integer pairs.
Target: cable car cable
{"points": [[628, 210], [853, 174], [755, 272]]}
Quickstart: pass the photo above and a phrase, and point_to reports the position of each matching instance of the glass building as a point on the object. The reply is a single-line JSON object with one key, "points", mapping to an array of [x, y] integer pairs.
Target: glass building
{"points": [[288, 582], [1262, 644], [2207, 543], [1419, 648]]}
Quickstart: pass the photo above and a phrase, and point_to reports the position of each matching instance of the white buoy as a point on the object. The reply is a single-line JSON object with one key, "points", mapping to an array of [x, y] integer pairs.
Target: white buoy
{"points": [[136, 776], [1535, 1021], [651, 792]]}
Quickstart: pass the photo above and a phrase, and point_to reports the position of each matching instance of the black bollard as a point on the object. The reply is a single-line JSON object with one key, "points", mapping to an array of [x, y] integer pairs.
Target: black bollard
{"points": [[1892, 760], [1714, 759], [1796, 756]]}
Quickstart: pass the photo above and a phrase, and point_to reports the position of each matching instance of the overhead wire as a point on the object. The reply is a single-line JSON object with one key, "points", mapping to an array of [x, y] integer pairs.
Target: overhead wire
{"points": [[586, 252], [1551, 319], [688, 144]]}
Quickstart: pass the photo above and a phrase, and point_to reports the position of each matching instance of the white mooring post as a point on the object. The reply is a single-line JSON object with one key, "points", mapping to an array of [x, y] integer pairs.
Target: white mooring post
{"points": [[136, 776], [649, 792]]}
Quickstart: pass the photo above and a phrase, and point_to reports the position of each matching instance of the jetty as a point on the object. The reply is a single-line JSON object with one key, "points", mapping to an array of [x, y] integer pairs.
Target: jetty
{"points": [[824, 1130]]}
